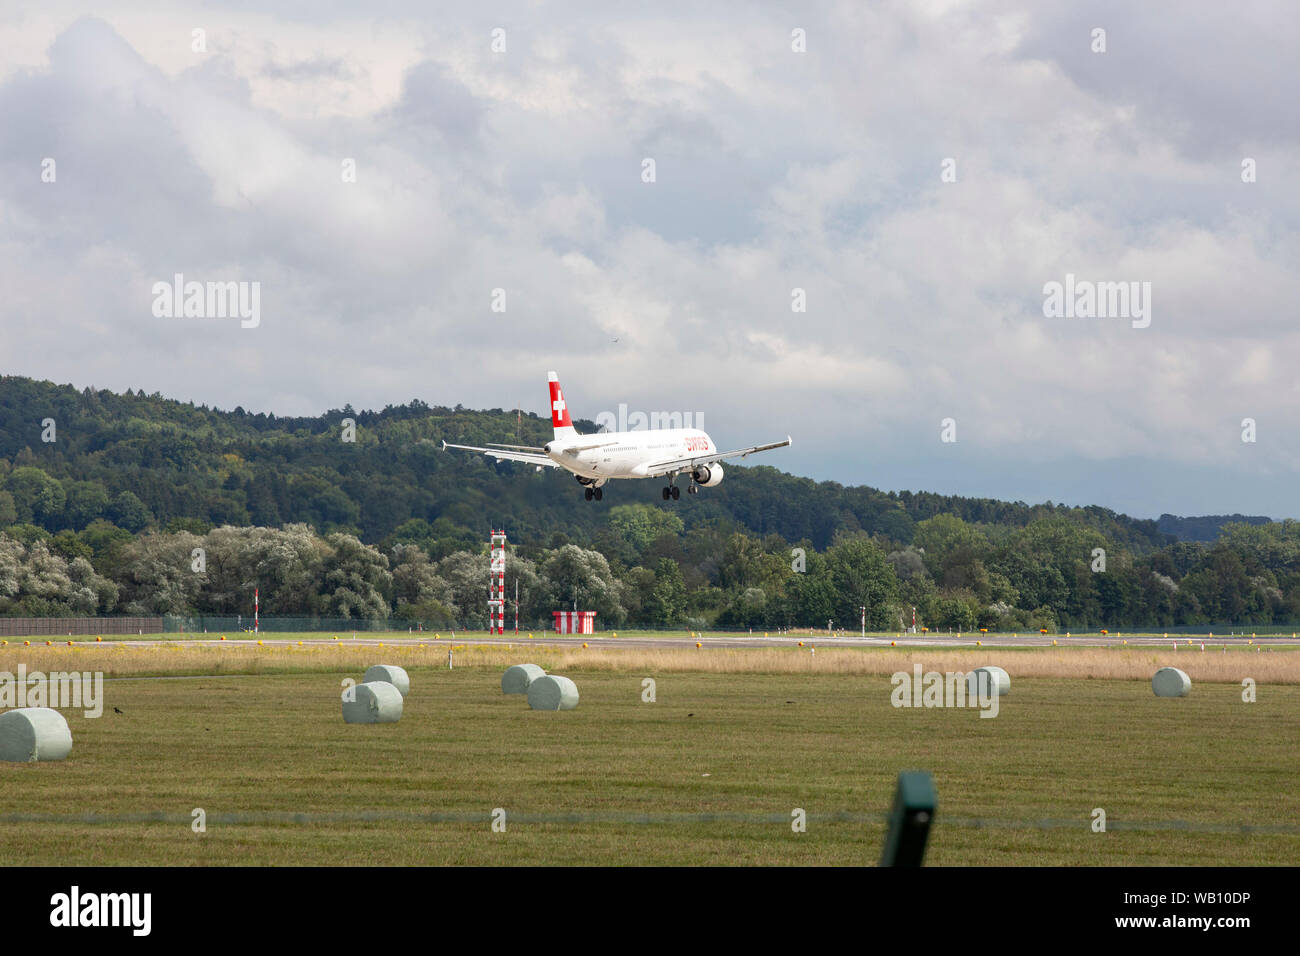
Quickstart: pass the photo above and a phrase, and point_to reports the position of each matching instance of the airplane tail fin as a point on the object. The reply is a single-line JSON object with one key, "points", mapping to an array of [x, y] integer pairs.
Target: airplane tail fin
{"points": [[560, 419]]}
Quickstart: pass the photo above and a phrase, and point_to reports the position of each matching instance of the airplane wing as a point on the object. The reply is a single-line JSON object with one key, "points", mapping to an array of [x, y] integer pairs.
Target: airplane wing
{"points": [[532, 458], [686, 464]]}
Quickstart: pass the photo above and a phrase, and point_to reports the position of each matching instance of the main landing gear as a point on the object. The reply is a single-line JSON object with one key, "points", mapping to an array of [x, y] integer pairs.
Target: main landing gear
{"points": [[596, 493], [672, 491]]}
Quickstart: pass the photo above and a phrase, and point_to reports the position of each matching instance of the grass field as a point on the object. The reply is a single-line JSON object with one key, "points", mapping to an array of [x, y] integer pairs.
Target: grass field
{"points": [[745, 735], [1279, 664]]}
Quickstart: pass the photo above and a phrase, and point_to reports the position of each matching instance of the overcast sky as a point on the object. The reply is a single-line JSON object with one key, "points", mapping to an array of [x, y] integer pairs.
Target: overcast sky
{"points": [[774, 170]]}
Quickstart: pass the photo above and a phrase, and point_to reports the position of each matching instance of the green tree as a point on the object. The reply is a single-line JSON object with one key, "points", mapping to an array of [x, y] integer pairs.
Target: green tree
{"points": [[8, 511], [667, 603], [812, 596], [356, 581], [157, 574], [37, 497], [944, 533], [86, 501], [639, 525], [862, 577], [577, 574], [129, 512]]}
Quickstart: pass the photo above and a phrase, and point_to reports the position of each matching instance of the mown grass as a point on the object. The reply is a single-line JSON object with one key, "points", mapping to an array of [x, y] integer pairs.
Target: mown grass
{"points": [[757, 744]]}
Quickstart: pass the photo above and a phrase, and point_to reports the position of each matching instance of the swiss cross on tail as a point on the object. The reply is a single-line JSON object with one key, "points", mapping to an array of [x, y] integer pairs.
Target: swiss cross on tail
{"points": [[559, 407]]}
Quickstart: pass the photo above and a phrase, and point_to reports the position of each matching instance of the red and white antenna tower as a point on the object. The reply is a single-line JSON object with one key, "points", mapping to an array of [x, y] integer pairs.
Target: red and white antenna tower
{"points": [[257, 609], [497, 584]]}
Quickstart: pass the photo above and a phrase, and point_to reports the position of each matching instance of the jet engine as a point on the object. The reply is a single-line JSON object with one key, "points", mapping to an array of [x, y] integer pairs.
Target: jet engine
{"points": [[708, 475]]}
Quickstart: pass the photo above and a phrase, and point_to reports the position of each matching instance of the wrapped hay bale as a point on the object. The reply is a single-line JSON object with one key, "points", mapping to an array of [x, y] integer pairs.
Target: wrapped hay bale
{"points": [[389, 674], [993, 679], [552, 693], [34, 733], [1171, 682], [517, 678], [374, 702]]}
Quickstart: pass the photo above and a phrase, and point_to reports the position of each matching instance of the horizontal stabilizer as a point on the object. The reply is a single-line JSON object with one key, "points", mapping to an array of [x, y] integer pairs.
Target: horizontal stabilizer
{"points": [[532, 448]]}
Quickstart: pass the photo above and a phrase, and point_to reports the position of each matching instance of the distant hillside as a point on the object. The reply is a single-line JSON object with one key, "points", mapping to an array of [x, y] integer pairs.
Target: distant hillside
{"points": [[1205, 528], [107, 517], [144, 460]]}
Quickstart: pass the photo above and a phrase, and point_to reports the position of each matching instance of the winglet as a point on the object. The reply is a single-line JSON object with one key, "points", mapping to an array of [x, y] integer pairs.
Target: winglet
{"points": [[444, 444]]}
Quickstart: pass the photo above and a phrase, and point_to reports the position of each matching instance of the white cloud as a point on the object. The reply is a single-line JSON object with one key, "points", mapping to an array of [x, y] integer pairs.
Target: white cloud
{"points": [[776, 170]]}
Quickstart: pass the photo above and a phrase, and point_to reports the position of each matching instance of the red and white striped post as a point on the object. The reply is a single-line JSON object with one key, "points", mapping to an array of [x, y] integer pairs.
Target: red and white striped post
{"points": [[497, 584], [257, 608]]}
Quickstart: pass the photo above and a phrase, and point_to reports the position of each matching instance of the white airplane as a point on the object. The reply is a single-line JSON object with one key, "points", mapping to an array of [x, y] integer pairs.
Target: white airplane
{"points": [[595, 459]]}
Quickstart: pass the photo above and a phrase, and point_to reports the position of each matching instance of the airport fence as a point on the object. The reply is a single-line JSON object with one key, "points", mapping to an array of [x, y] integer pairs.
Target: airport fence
{"points": [[209, 623], [37, 626]]}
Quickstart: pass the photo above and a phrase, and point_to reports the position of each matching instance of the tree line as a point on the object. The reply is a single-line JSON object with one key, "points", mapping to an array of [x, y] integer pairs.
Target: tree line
{"points": [[105, 499], [646, 569]]}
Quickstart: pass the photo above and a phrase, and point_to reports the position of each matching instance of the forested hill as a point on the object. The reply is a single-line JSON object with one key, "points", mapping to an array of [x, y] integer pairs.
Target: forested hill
{"points": [[144, 461], [1206, 528]]}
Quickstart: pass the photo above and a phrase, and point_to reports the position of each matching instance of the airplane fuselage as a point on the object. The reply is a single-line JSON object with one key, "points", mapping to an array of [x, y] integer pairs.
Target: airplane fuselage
{"points": [[626, 454], [666, 453]]}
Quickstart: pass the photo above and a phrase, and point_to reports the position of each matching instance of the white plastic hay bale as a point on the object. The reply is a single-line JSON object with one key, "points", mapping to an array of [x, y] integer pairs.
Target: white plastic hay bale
{"points": [[552, 693], [389, 674], [516, 679], [374, 702], [993, 680], [981, 681], [34, 733], [1171, 682]]}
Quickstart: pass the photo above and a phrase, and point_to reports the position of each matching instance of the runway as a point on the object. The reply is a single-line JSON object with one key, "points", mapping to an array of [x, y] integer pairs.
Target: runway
{"points": [[732, 640]]}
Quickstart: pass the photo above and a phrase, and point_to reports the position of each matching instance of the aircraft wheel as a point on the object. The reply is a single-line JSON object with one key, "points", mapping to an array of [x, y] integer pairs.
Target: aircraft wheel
{"points": [[666, 492], [693, 490], [589, 493], [677, 492], [600, 493]]}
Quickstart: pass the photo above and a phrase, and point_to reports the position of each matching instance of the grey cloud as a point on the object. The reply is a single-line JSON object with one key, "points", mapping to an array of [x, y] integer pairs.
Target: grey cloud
{"points": [[775, 170], [313, 68]]}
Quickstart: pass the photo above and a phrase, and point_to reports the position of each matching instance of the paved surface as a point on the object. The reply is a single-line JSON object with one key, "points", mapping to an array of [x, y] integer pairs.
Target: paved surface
{"points": [[481, 639]]}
